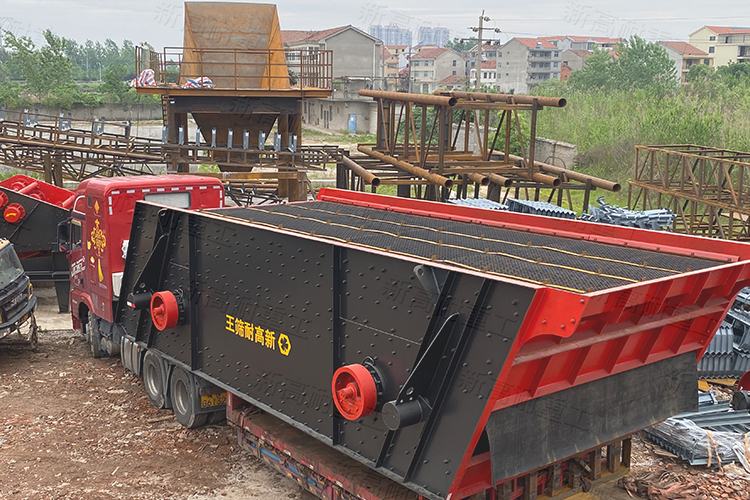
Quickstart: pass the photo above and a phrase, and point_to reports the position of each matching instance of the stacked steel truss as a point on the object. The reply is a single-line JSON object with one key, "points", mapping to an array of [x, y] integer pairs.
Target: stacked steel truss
{"points": [[64, 148], [428, 163], [707, 188]]}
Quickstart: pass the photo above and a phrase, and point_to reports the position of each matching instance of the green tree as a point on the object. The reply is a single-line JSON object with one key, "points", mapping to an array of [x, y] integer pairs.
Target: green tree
{"points": [[114, 87], [45, 69], [700, 72], [462, 44], [598, 71], [734, 74], [638, 65], [641, 64]]}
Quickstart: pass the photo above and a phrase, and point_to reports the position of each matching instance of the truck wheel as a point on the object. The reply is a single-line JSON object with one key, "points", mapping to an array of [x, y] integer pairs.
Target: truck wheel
{"points": [[216, 417], [153, 379], [184, 392], [92, 333]]}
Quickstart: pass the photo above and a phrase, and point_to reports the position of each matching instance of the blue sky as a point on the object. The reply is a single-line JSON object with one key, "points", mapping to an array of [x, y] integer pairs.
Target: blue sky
{"points": [[159, 22]]}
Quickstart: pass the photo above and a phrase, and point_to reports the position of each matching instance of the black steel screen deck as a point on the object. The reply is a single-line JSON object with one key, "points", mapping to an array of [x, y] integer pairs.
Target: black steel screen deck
{"points": [[575, 265]]}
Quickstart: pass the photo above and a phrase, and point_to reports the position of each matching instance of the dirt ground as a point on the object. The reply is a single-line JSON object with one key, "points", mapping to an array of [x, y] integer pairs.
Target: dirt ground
{"points": [[74, 427]]}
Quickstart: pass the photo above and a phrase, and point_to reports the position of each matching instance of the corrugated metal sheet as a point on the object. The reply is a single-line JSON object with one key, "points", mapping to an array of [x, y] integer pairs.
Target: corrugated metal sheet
{"points": [[741, 363], [740, 321], [723, 341], [720, 418], [716, 366], [723, 358], [539, 208], [479, 203], [679, 435]]}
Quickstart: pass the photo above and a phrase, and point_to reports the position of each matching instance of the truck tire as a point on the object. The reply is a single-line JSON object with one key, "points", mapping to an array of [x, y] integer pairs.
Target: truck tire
{"points": [[92, 334], [153, 379], [216, 417], [183, 392]]}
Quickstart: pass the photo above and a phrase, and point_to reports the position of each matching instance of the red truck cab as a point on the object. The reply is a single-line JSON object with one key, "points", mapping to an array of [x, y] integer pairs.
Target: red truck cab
{"points": [[98, 234]]}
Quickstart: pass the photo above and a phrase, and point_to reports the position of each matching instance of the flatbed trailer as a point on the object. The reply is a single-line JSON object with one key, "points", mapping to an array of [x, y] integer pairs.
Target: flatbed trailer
{"points": [[446, 351]]}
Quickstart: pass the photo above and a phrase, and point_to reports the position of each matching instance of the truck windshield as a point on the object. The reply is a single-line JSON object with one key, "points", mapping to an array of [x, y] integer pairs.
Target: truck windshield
{"points": [[10, 266]]}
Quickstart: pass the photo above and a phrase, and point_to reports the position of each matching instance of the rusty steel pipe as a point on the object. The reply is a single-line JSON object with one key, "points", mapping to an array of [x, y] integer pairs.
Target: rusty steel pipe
{"points": [[430, 100], [576, 176], [493, 178], [553, 102], [358, 169], [408, 167], [549, 180], [500, 180], [480, 179]]}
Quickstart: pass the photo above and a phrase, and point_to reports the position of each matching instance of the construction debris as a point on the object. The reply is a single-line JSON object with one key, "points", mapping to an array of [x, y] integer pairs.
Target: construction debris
{"points": [[661, 485], [660, 219]]}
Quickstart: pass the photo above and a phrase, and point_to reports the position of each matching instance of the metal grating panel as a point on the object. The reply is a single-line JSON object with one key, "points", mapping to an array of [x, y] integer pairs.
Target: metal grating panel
{"points": [[571, 264]]}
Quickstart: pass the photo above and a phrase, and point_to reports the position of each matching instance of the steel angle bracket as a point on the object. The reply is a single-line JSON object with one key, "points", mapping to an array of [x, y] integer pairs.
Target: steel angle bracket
{"points": [[152, 276], [414, 402]]}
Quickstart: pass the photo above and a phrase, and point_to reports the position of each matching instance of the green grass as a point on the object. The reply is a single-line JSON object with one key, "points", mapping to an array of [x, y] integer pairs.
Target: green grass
{"points": [[607, 125]]}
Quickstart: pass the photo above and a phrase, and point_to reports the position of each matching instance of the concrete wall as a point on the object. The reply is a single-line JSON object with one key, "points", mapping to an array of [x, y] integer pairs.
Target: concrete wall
{"points": [[354, 55], [333, 114], [511, 77], [676, 58], [561, 154], [138, 112], [444, 65], [574, 61]]}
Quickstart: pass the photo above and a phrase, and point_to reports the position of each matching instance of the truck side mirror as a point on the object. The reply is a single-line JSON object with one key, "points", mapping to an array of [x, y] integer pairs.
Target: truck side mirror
{"points": [[63, 236]]}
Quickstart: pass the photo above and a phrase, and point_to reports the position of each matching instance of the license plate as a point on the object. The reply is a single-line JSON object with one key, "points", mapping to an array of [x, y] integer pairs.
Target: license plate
{"points": [[211, 400]]}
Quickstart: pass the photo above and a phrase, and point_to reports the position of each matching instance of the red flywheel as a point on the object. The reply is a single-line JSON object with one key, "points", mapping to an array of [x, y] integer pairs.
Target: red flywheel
{"points": [[165, 312], [354, 391]]}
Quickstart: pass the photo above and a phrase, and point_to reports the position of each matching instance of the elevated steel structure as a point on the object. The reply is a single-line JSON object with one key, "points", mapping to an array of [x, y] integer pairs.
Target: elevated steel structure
{"points": [[428, 161], [707, 188]]}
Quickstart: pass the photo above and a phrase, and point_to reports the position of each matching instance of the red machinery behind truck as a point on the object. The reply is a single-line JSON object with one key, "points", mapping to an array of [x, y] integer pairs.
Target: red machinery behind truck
{"points": [[98, 233]]}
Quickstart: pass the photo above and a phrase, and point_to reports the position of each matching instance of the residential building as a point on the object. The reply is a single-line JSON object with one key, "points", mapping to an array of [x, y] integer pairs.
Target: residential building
{"points": [[574, 42], [432, 65], [391, 34], [356, 55], [524, 63], [724, 44], [438, 37], [575, 58], [390, 62], [488, 78], [684, 56], [398, 49], [489, 52], [454, 82], [357, 64], [565, 71]]}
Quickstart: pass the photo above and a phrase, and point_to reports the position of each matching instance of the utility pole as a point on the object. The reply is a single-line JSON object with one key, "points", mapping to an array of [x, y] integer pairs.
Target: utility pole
{"points": [[384, 84], [479, 30], [411, 67]]}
